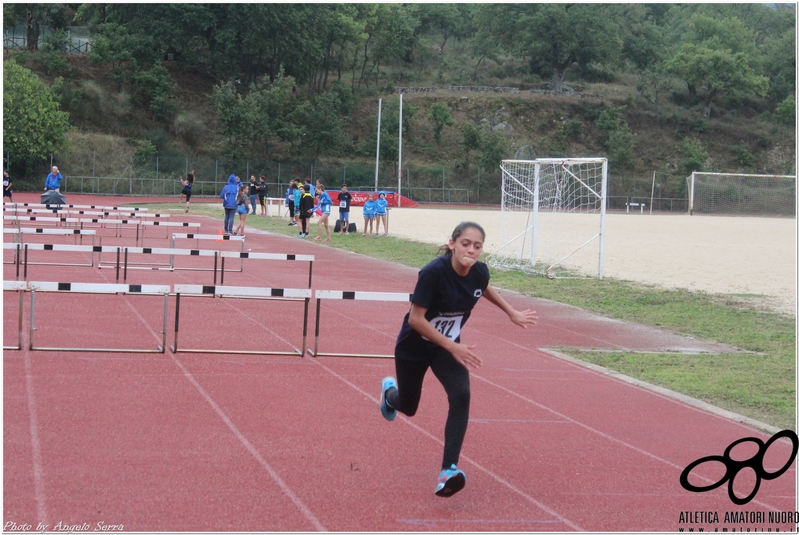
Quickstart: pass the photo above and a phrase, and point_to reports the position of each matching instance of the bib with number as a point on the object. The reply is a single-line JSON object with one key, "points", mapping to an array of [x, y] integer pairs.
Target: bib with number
{"points": [[449, 326]]}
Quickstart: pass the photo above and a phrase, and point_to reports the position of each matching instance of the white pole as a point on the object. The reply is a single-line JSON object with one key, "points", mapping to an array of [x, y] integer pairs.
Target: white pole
{"points": [[534, 244], [602, 212], [652, 197], [399, 176], [377, 155]]}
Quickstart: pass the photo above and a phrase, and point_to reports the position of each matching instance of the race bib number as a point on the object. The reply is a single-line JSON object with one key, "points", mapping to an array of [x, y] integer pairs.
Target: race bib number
{"points": [[342, 204], [449, 326]]}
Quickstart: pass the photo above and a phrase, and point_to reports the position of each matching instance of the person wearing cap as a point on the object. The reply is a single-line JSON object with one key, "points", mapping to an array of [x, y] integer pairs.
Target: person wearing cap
{"points": [[53, 180]]}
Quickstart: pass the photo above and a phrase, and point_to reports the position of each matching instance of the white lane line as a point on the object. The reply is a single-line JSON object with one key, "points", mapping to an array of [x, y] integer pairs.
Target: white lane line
{"points": [[253, 451], [36, 448], [477, 465]]}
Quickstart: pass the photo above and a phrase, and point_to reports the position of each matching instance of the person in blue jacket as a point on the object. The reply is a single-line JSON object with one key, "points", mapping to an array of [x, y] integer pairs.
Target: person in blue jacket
{"points": [[381, 206], [53, 180], [228, 195], [325, 203]]}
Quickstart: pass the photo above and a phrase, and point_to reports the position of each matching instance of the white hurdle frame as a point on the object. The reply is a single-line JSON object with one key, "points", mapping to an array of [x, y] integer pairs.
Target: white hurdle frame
{"points": [[267, 256], [20, 287], [21, 231], [85, 206], [198, 237], [242, 292], [352, 296], [172, 252], [100, 288]]}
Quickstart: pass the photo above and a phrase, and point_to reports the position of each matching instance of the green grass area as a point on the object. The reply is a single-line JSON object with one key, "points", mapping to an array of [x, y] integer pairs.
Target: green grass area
{"points": [[759, 383]]}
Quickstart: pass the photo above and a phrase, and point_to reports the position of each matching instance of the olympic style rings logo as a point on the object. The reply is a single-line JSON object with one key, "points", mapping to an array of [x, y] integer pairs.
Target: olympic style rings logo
{"points": [[734, 467]]}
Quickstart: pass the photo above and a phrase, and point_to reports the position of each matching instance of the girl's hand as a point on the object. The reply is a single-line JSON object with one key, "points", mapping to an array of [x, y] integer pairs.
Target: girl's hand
{"points": [[465, 355], [523, 318]]}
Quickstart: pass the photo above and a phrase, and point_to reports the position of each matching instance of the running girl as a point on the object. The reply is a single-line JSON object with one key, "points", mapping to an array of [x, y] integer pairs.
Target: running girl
{"points": [[186, 191], [445, 293]]}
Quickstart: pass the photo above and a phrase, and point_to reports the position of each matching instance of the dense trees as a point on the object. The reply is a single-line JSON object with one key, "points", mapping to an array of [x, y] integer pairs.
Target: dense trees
{"points": [[33, 125], [288, 75]]}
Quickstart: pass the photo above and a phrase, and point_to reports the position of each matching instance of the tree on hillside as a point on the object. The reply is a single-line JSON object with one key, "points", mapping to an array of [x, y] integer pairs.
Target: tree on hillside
{"points": [[552, 37], [720, 56], [249, 124], [439, 114], [33, 125], [322, 126], [34, 16]]}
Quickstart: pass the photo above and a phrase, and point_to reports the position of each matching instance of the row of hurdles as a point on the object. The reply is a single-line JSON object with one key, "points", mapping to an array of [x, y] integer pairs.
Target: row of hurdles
{"points": [[302, 295], [122, 253]]}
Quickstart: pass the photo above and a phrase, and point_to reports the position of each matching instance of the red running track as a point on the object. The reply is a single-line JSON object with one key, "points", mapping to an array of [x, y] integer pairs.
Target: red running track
{"points": [[232, 442]]}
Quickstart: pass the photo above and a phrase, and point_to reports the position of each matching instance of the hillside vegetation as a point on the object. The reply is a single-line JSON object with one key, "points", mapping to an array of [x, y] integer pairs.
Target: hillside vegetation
{"points": [[660, 90]]}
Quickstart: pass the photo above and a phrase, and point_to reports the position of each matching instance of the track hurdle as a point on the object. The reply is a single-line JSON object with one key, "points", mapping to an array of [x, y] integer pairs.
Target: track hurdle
{"points": [[20, 287], [126, 289], [166, 224], [19, 232], [81, 206], [164, 251], [242, 292], [267, 256], [352, 296], [198, 237], [118, 223]]}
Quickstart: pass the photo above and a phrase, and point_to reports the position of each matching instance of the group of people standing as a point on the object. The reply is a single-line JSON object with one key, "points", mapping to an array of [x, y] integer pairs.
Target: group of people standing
{"points": [[236, 196], [305, 200]]}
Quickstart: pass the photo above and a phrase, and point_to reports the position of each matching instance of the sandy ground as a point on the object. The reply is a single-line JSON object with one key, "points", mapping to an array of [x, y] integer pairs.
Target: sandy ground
{"points": [[751, 259]]}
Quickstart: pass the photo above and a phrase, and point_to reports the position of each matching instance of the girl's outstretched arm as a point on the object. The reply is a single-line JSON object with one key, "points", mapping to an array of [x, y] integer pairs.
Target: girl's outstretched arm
{"points": [[521, 318]]}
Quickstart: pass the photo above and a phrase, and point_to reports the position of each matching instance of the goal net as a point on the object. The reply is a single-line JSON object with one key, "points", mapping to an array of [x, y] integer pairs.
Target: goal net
{"points": [[727, 193], [553, 216]]}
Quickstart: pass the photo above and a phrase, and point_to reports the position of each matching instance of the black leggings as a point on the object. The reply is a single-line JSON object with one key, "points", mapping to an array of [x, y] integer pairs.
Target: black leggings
{"points": [[454, 377]]}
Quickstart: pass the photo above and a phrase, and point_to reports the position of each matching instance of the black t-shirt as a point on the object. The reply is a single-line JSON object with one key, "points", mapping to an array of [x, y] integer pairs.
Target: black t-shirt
{"points": [[344, 200], [253, 187], [449, 299]]}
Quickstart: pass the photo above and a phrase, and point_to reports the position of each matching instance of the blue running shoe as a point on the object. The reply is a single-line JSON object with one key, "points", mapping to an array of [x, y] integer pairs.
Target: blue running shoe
{"points": [[388, 412], [450, 481]]}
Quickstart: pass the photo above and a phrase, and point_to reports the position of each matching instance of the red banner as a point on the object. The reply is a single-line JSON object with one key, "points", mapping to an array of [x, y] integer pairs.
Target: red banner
{"points": [[360, 197]]}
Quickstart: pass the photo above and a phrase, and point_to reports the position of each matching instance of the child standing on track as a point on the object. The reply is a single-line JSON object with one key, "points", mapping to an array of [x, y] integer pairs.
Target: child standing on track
{"points": [[6, 186], [369, 216], [325, 203], [446, 291], [344, 200], [381, 205], [305, 210], [241, 208], [228, 195]]}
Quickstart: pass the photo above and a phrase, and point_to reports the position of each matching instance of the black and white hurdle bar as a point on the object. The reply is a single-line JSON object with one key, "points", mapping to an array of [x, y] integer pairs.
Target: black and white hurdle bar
{"points": [[22, 253], [243, 292], [20, 232], [118, 223], [198, 237], [20, 287], [85, 206], [91, 288], [352, 296], [267, 256], [164, 251]]}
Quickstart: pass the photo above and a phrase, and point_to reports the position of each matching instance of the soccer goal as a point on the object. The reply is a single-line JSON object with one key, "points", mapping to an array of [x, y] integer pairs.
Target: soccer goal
{"points": [[728, 193], [553, 216]]}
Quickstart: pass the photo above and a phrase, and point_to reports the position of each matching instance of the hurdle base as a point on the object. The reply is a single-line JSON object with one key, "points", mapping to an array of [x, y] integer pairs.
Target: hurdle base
{"points": [[356, 355], [296, 351], [96, 349]]}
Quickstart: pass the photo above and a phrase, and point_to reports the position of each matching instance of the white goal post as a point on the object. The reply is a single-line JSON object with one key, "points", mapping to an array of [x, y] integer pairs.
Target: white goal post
{"points": [[733, 193], [553, 215]]}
